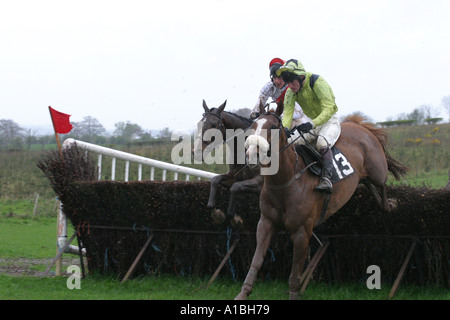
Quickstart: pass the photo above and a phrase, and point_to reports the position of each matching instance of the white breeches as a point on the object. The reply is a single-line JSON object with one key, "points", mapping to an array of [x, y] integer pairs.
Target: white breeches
{"points": [[328, 133]]}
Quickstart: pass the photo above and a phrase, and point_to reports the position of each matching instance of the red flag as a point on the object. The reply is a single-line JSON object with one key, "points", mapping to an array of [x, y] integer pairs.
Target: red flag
{"points": [[60, 120]]}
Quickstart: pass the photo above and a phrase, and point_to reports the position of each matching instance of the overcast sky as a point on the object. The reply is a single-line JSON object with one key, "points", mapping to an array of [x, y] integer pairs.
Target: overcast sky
{"points": [[153, 62]]}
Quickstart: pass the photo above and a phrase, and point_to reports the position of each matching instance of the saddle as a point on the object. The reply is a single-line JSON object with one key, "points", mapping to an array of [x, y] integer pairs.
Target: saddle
{"points": [[341, 167]]}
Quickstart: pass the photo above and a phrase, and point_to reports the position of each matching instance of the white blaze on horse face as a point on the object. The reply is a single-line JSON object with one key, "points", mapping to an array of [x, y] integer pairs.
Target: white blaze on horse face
{"points": [[260, 124], [257, 144], [253, 141]]}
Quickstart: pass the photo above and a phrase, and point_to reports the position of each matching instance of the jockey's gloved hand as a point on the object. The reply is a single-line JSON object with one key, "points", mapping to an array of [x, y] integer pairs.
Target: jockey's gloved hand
{"points": [[304, 127], [288, 132]]}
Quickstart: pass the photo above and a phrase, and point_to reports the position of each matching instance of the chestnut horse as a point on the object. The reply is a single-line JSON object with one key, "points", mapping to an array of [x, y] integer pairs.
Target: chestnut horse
{"points": [[288, 200], [239, 178]]}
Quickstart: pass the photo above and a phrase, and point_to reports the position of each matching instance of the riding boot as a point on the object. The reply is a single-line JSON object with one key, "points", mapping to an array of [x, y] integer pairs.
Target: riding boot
{"points": [[325, 184]]}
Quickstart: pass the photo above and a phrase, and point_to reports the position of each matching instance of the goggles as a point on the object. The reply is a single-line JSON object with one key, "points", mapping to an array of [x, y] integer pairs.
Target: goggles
{"points": [[289, 77]]}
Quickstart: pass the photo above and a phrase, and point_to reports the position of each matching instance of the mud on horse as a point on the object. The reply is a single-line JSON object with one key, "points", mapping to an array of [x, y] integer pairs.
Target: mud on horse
{"points": [[239, 178], [288, 200]]}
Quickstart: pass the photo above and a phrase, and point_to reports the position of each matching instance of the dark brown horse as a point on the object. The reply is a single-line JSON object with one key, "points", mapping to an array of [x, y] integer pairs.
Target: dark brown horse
{"points": [[288, 200], [239, 178]]}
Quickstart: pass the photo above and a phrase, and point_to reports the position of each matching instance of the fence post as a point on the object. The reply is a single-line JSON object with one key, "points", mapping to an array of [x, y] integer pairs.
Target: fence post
{"points": [[402, 269], [136, 260], [36, 200]]}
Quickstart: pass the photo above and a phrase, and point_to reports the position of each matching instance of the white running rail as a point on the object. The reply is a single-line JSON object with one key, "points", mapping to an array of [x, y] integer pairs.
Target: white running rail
{"points": [[128, 158]]}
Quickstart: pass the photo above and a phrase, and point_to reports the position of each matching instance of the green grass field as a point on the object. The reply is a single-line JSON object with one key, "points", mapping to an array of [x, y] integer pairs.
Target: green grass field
{"points": [[27, 237], [168, 287], [433, 180], [22, 237]]}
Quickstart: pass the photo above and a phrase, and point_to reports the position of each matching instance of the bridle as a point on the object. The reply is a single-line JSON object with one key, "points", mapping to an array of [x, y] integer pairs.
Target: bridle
{"points": [[280, 129], [219, 116], [287, 145], [221, 126]]}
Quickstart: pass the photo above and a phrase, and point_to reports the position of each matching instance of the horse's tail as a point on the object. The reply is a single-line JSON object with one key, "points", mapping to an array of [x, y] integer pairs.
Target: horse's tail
{"points": [[395, 167]]}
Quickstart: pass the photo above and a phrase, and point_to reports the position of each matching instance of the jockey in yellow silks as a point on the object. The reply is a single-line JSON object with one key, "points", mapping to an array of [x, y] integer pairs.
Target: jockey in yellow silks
{"points": [[276, 89], [317, 101]]}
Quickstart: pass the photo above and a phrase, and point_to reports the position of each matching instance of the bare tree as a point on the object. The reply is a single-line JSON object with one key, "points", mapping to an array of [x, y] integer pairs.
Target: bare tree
{"points": [[87, 129], [30, 138], [10, 132], [429, 111], [126, 131], [418, 114]]}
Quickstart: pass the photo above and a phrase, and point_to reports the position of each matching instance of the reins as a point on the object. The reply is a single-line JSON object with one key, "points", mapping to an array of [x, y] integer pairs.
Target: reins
{"points": [[221, 124], [299, 174]]}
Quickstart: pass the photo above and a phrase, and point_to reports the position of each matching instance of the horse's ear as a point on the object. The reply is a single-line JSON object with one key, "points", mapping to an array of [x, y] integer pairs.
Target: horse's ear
{"points": [[222, 106], [205, 106], [280, 108], [262, 108]]}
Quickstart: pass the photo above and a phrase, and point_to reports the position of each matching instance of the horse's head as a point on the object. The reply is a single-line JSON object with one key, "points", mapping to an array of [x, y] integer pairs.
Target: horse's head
{"points": [[267, 139], [212, 119]]}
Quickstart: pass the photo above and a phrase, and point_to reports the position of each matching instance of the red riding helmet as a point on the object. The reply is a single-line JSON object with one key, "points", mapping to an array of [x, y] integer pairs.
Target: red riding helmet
{"points": [[274, 65]]}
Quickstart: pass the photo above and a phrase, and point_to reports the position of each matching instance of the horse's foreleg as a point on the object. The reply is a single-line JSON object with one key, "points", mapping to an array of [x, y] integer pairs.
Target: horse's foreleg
{"points": [[213, 191], [264, 234], [220, 179], [300, 240], [245, 186]]}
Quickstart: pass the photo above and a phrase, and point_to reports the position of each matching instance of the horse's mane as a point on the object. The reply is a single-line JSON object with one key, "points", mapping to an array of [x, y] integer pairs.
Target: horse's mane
{"points": [[394, 166], [248, 121]]}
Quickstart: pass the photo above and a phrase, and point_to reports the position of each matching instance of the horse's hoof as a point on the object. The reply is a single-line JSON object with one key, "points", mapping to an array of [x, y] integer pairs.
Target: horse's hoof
{"points": [[218, 216], [241, 296], [392, 204], [237, 222]]}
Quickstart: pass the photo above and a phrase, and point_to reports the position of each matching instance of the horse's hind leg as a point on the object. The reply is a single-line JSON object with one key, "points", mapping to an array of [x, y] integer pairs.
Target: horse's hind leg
{"points": [[264, 233], [383, 202], [388, 204], [374, 192]]}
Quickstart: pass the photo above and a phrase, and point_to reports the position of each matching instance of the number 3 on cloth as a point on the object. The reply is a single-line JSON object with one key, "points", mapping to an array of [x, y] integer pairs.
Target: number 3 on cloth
{"points": [[342, 166]]}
